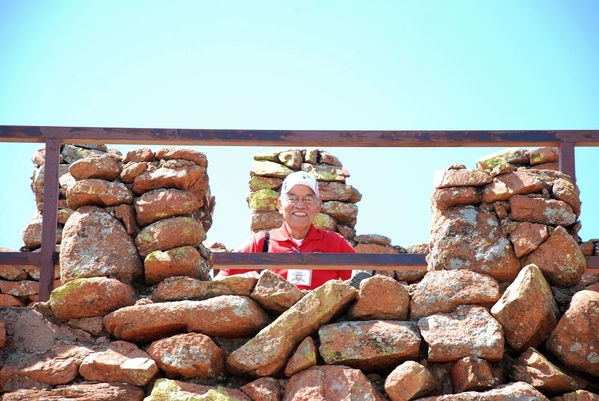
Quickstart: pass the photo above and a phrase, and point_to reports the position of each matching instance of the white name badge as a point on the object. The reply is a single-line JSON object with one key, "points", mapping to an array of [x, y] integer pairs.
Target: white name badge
{"points": [[299, 277]]}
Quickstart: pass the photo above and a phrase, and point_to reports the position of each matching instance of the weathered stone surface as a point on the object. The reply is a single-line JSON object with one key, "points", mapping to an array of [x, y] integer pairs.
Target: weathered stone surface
{"points": [[369, 345], [162, 203], [59, 365], [122, 362], [10, 300], [192, 155], [139, 155], [291, 158], [508, 155], [96, 192], [92, 325], [173, 232], [468, 331], [32, 233], [575, 340], [527, 237], [461, 178], [527, 310], [72, 153], [125, 214], [472, 374], [543, 155], [532, 367], [505, 186], [174, 390], [80, 392], [20, 288], [176, 175], [341, 211], [334, 190], [373, 239], [274, 293], [541, 210], [444, 198], [180, 288], [226, 316], [560, 259], [375, 248], [324, 221], [266, 354], [324, 383], [263, 200], [95, 244], [182, 261], [132, 170], [102, 167], [578, 395], [265, 220], [380, 297], [89, 297], [509, 392], [466, 238], [326, 157], [325, 172], [442, 291], [409, 381], [190, 355], [258, 182], [269, 169], [263, 389], [566, 191], [304, 356]]}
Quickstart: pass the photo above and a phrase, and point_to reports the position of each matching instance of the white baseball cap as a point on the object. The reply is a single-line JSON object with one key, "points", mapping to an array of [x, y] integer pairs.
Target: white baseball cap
{"points": [[300, 178]]}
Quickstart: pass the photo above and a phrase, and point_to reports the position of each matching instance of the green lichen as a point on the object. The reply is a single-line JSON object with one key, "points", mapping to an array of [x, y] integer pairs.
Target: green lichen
{"points": [[63, 293]]}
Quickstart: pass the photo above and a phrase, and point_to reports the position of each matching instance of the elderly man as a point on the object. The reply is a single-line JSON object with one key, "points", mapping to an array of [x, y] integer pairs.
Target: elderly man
{"points": [[299, 204]]}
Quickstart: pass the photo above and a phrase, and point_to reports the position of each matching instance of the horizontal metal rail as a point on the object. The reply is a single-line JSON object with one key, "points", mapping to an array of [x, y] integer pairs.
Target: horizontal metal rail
{"points": [[53, 137]]}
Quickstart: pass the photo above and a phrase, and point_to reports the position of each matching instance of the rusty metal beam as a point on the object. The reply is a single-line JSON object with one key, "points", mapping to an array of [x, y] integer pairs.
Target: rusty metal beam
{"points": [[329, 138]]}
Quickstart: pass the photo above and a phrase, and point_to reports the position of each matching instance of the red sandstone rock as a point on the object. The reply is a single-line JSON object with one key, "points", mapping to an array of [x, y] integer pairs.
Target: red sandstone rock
{"points": [[180, 288], [182, 261], [527, 237], [139, 155], [442, 291], [304, 357], [578, 395], [291, 158], [409, 381], [472, 374], [125, 214], [95, 244], [132, 170], [466, 238], [543, 155], [368, 345], [325, 172], [532, 367], [560, 259], [510, 392], [341, 211], [261, 356], [505, 186], [102, 167], [20, 288], [81, 392], [162, 203], [444, 198], [263, 389], [10, 300], [169, 233], [274, 293], [566, 191], [574, 341], [190, 355], [461, 178], [335, 191], [166, 389], [183, 176], [468, 331], [527, 310], [265, 220], [541, 210], [380, 297], [122, 362], [325, 383], [89, 297], [226, 316], [98, 192], [195, 156], [375, 248]]}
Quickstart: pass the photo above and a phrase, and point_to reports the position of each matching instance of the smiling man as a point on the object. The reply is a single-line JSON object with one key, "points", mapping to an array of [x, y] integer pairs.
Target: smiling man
{"points": [[299, 204]]}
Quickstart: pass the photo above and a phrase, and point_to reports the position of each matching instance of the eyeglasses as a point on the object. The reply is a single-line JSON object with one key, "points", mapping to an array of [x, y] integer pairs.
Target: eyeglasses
{"points": [[306, 200]]}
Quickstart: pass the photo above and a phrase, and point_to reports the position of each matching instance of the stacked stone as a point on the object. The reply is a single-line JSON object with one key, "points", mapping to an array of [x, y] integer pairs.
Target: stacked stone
{"points": [[339, 210]]}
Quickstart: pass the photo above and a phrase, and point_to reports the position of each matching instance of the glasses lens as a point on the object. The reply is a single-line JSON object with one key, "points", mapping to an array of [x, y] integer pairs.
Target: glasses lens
{"points": [[306, 200]]}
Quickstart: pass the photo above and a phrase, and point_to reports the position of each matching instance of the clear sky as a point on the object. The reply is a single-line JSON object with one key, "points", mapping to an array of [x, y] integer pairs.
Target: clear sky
{"points": [[356, 65]]}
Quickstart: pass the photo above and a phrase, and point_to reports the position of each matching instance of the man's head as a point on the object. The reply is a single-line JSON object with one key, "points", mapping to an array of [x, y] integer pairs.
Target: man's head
{"points": [[299, 202]]}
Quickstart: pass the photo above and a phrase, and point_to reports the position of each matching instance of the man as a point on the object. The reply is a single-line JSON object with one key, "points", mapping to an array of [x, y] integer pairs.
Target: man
{"points": [[299, 204]]}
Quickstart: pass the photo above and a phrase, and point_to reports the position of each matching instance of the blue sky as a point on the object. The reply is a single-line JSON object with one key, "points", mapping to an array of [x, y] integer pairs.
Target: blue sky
{"points": [[378, 65]]}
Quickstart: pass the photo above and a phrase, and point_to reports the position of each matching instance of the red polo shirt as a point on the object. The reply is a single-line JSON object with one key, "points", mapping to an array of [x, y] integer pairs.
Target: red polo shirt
{"points": [[317, 240]]}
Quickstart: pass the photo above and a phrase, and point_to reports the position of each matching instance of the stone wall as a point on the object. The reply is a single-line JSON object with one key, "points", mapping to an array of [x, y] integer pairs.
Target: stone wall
{"points": [[504, 311]]}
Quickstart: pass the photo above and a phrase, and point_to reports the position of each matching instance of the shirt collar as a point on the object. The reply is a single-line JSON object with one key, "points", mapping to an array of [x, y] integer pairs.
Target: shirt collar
{"points": [[281, 234]]}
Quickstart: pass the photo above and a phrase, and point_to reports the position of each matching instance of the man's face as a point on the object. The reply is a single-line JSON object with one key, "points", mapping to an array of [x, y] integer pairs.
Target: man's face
{"points": [[299, 215]]}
